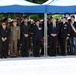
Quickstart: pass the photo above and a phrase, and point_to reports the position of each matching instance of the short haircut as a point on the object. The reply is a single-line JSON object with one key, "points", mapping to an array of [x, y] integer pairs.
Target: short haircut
{"points": [[25, 17], [37, 21], [3, 22], [73, 16], [64, 18]]}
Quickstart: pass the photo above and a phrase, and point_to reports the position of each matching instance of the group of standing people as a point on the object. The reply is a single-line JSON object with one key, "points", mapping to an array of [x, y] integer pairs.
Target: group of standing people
{"points": [[9, 36], [62, 31]]}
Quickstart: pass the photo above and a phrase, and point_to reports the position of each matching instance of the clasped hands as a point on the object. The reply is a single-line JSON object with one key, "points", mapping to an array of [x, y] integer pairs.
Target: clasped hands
{"points": [[53, 35], [26, 35], [40, 28], [4, 39]]}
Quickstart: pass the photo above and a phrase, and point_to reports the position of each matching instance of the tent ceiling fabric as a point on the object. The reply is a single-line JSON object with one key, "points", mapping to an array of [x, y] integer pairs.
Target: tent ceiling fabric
{"points": [[20, 6], [61, 9], [61, 6], [51, 6]]}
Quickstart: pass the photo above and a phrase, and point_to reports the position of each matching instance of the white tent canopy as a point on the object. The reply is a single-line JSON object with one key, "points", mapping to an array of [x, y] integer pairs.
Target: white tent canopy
{"points": [[61, 6], [63, 3], [16, 2], [20, 6]]}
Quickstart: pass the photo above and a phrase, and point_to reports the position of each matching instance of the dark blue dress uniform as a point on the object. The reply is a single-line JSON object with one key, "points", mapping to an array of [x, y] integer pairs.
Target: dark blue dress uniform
{"points": [[4, 33], [37, 36], [64, 33], [53, 29]]}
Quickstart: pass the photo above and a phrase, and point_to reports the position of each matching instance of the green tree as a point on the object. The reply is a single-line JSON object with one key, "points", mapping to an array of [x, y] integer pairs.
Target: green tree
{"points": [[37, 1]]}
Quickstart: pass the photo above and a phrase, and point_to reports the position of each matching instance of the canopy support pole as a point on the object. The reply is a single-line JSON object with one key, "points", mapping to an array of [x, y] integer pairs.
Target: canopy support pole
{"points": [[45, 34]]}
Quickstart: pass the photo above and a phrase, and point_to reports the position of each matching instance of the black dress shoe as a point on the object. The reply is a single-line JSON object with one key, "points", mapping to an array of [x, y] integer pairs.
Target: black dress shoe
{"points": [[1, 57], [63, 55], [36, 55], [71, 53], [52, 55], [5, 56], [25, 56]]}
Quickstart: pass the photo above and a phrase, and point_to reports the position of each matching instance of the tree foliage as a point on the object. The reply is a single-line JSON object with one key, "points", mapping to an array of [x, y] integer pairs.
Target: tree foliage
{"points": [[37, 1]]}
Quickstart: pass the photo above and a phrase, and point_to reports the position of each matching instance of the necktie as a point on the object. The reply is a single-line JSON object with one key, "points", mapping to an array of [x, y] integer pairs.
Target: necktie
{"points": [[72, 23], [4, 28], [54, 26], [38, 26], [25, 24], [63, 22]]}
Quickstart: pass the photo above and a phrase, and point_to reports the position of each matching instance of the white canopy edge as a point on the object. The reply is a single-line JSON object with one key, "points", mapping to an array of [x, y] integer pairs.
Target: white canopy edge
{"points": [[49, 1], [16, 2], [63, 3]]}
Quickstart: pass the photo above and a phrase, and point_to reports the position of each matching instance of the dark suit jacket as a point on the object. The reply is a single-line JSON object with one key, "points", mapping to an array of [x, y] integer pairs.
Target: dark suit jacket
{"points": [[25, 30], [64, 30], [4, 33], [37, 34], [53, 30]]}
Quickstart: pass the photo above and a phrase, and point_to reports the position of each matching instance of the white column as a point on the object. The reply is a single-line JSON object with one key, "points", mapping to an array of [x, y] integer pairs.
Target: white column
{"points": [[45, 34]]}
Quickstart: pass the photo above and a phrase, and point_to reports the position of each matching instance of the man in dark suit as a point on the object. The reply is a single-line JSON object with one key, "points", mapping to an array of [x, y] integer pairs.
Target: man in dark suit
{"points": [[25, 32], [73, 35], [4, 35], [37, 36], [64, 35], [53, 34]]}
